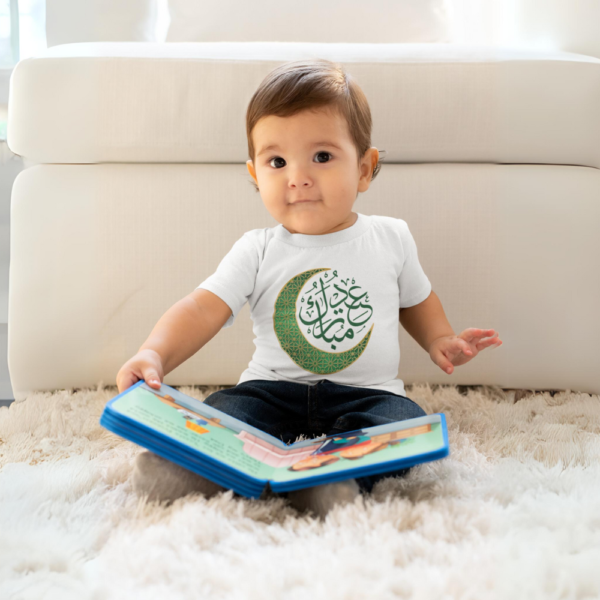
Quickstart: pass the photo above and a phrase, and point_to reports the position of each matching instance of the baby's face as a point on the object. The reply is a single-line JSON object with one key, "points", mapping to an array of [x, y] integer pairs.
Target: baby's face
{"points": [[315, 160]]}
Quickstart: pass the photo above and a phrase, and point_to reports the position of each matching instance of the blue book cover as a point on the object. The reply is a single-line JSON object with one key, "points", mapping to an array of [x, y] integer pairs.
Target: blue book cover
{"points": [[245, 459]]}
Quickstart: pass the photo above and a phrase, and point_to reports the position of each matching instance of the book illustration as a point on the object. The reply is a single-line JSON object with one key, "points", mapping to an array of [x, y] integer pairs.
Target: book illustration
{"points": [[194, 421], [350, 445], [270, 455], [355, 444]]}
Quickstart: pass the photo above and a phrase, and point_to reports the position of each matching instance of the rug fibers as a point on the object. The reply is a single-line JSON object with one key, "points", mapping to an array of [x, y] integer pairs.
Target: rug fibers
{"points": [[513, 512]]}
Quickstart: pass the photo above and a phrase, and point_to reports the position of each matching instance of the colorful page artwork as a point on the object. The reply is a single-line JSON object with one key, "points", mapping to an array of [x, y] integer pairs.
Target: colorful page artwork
{"points": [[369, 446]]}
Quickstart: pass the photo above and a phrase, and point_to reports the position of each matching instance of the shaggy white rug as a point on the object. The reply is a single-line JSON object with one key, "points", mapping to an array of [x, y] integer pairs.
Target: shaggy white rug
{"points": [[513, 512]]}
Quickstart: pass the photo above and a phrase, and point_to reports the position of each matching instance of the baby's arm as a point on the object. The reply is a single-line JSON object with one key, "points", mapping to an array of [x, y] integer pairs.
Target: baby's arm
{"points": [[426, 321], [186, 327]]}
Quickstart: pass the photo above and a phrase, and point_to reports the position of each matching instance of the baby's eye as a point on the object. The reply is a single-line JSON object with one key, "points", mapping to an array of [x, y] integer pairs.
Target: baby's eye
{"points": [[317, 154], [275, 158], [323, 153]]}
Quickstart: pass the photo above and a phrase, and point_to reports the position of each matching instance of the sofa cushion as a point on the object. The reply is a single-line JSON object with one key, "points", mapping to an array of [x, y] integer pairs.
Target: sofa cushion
{"points": [[186, 102], [394, 21], [70, 21]]}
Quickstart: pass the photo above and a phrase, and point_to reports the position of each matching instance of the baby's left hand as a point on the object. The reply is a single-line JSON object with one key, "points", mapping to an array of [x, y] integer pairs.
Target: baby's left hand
{"points": [[455, 350]]}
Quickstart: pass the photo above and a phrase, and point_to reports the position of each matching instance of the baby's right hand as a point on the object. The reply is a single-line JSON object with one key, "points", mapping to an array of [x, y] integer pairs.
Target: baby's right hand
{"points": [[146, 365]]}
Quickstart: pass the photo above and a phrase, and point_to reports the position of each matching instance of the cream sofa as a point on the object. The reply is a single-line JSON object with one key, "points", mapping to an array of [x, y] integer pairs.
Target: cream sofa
{"points": [[138, 187]]}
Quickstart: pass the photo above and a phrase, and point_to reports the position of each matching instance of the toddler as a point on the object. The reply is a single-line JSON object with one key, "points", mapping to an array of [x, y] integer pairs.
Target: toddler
{"points": [[326, 288]]}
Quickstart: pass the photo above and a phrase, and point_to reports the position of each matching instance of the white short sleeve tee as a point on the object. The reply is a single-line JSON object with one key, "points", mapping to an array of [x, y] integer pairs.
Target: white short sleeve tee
{"points": [[324, 306]]}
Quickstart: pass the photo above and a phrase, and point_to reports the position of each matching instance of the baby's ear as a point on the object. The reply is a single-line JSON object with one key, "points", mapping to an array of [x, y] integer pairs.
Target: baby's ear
{"points": [[250, 167]]}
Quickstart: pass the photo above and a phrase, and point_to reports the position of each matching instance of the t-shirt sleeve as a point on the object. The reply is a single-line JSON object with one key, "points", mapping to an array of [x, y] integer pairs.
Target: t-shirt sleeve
{"points": [[235, 277], [414, 285]]}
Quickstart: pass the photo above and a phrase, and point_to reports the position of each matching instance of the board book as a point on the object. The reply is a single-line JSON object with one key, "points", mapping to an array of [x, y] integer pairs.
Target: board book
{"points": [[245, 459]]}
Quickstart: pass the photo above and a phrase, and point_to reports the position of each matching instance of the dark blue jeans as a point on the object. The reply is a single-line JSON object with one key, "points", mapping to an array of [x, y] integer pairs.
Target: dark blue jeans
{"points": [[285, 410]]}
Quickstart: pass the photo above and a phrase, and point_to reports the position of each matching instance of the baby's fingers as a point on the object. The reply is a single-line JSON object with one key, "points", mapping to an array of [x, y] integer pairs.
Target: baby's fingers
{"points": [[473, 334], [125, 382], [444, 359], [465, 348], [492, 342]]}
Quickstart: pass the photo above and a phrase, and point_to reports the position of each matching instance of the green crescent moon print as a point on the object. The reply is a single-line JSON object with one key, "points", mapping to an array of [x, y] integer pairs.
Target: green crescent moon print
{"points": [[292, 340]]}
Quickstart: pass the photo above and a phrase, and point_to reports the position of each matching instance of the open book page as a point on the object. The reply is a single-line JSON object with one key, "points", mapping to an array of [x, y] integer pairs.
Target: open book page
{"points": [[220, 438], [368, 446]]}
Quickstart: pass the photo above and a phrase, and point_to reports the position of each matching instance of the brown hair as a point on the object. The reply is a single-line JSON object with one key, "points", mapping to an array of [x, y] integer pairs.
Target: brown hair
{"points": [[311, 84]]}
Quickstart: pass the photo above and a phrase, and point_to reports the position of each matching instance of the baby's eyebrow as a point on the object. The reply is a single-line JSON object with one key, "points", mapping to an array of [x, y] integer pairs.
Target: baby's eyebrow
{"points": [[276, 147]]}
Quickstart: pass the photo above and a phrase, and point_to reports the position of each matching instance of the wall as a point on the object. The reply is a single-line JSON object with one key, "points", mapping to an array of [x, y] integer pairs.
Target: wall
{"points": [[567, 25]]}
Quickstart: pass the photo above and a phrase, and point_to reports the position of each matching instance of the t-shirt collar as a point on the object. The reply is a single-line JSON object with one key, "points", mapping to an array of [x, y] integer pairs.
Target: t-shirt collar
{"points": [[329, 239]]}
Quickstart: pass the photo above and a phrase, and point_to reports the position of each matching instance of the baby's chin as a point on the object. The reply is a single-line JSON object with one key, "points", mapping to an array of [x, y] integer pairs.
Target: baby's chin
{"points": [[316, 228]]}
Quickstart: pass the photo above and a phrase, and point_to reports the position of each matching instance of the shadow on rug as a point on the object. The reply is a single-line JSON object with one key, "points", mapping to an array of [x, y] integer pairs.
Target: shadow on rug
{"points": [[511, 513]]}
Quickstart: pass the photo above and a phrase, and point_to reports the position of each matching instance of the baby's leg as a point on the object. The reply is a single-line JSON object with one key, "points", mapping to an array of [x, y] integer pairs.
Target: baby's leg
{"points": [[364, 407], [164, 481], [320, 499], [275, 407]]}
